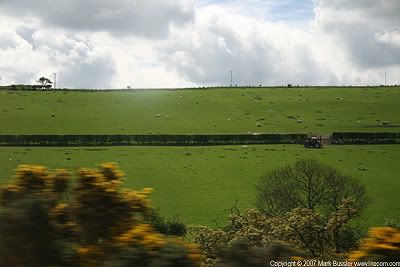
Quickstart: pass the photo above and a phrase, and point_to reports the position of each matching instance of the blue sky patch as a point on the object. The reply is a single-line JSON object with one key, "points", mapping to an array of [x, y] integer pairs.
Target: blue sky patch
{"points": [[275, 10]]}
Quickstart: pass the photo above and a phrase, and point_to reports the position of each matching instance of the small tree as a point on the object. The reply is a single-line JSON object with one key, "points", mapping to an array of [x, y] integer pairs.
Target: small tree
{"points": [[44, 81], [307, 184], [314, 186]]}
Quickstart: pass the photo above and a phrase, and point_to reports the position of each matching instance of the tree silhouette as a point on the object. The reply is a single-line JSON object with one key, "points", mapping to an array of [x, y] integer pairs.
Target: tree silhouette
{"points": [[44, 81]]}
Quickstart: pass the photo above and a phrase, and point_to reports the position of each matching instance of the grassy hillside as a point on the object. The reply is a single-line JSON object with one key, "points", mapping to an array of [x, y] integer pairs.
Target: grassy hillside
{"points": [[317, 110], [202, 183]]}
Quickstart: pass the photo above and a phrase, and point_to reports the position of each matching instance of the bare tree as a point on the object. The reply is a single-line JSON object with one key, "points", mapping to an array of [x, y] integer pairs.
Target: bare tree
{"points": [[307, 184]]}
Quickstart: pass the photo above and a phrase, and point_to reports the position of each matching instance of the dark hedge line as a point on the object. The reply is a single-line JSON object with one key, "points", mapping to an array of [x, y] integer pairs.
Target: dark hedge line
{"points": [[365, 138], [155, 140]]}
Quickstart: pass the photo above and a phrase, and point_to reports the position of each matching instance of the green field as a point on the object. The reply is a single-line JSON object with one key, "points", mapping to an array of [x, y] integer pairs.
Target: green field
{"points": [[202, 183], [296, 110]]}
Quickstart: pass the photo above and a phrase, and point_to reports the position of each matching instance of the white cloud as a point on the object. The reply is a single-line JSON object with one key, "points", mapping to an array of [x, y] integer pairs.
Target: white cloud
{"points": [[258, 51], [348, 42], [138, 65], [389, 37], [33, 52], [150, 18], [356, 25], [98, 44]]}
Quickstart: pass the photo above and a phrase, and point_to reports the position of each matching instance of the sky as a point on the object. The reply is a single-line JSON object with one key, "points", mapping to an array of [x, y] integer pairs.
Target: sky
{"points": [[185, 43]]}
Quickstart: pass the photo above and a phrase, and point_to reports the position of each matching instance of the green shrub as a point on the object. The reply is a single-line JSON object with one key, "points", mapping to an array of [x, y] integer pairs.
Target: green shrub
{"points": [[173, 226]]}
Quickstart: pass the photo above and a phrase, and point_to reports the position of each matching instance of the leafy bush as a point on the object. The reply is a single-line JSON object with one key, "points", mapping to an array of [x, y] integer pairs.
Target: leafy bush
{"points": [[305, 229], [173, 226]]}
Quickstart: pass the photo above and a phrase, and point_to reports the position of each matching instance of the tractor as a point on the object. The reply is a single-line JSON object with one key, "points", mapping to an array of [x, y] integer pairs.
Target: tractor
{"points": [[313, 142]]}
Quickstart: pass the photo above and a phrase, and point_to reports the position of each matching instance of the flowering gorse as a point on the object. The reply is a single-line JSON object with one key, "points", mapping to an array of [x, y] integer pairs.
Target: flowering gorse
{"points": [[93, 223], [382, 244]]}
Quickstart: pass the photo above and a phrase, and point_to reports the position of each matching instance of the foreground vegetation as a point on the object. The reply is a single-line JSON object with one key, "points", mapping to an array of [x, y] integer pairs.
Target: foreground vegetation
{"points": [[201, 111], [100, 225], [189, 181], [46, 221]]}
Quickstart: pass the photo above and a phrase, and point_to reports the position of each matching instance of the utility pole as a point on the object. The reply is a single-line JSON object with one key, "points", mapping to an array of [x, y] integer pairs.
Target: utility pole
{"points": [[55, 80], [231, 78], [385, 79]]}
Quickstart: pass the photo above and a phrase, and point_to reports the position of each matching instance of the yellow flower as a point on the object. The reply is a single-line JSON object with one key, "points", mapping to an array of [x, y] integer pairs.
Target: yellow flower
{"points": [[381, 241], [144, 235], [83, 251]]}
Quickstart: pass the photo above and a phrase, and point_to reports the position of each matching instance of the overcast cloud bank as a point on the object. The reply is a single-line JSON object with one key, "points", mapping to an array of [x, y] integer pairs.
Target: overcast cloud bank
{"points": [[179, 43]]}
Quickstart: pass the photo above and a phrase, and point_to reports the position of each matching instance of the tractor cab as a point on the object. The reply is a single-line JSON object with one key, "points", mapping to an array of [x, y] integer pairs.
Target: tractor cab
{"points": [[313, 142]]}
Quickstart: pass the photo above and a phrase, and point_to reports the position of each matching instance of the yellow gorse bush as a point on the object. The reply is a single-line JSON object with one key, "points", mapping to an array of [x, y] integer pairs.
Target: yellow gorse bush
{"points": [[111, 172], [383, 243], [142, 234], [97, 220], [195, 254], [31, 177], [60, 180]]}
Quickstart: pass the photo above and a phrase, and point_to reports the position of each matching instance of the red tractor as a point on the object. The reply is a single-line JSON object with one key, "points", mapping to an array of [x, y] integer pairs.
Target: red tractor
{"points": [[313, 142]]}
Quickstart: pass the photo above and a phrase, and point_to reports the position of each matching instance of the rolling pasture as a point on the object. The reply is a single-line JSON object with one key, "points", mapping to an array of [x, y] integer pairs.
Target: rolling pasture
{"points": [[201, 111], [201, 184]]}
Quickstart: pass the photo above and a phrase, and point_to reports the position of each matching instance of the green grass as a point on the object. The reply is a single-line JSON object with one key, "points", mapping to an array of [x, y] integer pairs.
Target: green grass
{"points": [[202, 183], [317, 110]]}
